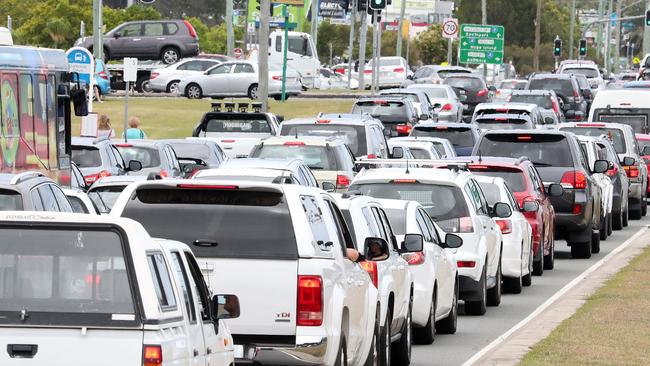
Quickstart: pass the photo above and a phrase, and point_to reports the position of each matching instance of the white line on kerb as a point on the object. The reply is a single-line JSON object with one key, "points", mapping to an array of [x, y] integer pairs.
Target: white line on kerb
{"points": [[552, 299]]}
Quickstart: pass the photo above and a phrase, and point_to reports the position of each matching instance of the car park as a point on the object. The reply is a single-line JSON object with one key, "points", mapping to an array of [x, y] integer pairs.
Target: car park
{"points": [[475, 88], [151, 156], [546, 100], [447, 105], [307, 294], [627, 106], [98, 158], [566, 87], [166, 79], [80, 202], [194, 154], [418, 98], [245, 169], [31, 191], [558, 159], [110, 278], [435, 74], [443, 147], [329, 159], [453, 199], [105, 191], [462, 136], [396, 113]]}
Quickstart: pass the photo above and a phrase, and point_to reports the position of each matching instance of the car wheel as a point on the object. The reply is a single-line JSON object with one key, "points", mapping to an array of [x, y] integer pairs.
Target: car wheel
{"points": [[609, 224], [644, 206], [401, 354], [595, 242], [549, 260], [193, 91], [142, 85], [172, 87], [373, 355], [479, 307], [527, 279], [494, 293], [581, 250], [342, 357], [170, 55], [626, 216], [253, 92], [426, 334], [449, 324], [385, 349], [617, 219], [637, 213], [538, 266]]}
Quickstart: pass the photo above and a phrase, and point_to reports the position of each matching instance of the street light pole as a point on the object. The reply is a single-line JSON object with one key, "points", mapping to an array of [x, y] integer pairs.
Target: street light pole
{"points": [[608, 35], [314, 22], [617, 30], [263, 55], [230, 34], [599, 34], [363, 35], [572, 28], [538, 26], [484, 22], [402, 10], [98, 31]]}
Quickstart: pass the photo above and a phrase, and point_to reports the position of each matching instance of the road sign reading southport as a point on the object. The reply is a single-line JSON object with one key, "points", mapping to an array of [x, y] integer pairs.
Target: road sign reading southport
{"points": [[481, 44]]}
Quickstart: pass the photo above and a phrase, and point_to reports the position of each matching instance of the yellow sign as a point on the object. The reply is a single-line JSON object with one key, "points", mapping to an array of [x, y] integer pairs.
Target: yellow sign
{"points": [[636, 60]]}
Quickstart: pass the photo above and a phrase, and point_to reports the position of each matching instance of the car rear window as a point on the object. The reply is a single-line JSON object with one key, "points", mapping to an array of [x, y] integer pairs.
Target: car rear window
{"points": [[434, 93], [104, 197], [315, 157], [192, 151], [543, 101], [459, 137], [86, 156], [505, 122], [10, 200], [514, 177], [465, 82], [420, 153], [614, 134], [148, 156], [79, 278], [441, 202], [542, 149], [443, 74], [638, 122], [513, 84], [218, 223], [491, 192], [380, 108], [562, 87], [589, 73], [354, 136], [238, 125], [412, 97]]}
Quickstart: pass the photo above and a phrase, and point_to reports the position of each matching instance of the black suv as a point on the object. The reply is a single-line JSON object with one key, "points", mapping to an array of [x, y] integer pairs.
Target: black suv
{"points": [[165, 40], [31, 191], [396, 113], [567, 88], [474, 88], [558, 159]]}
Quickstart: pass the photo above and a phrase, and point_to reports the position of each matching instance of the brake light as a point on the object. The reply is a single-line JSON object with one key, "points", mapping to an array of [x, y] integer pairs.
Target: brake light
{"points": [[475, 166], [342, 182], [276, 77], [505, 226], [90, 279], [504, 110], [612, 172], [367, 72], [632, 171], [573, 179], [323, 121], [164, 173], [446, 107], [310, 301], [152, 355], [524, 138], [404, 181], [154, 75], [576, 94], [294, 143], [104, 75], [556, 107], [482, 93], [442, 128], [398, 69], [577, 208], [123, 145], [590, 125], [500, 119], [466, 264], [228, 141], [94, 177], [404, 129], [206, 186], [414, 259], [371, 268], [578, 117], [190, 29], [372, 156]]}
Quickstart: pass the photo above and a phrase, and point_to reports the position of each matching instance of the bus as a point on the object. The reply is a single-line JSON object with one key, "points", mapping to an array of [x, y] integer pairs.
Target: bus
{"points": [[35, 112]]}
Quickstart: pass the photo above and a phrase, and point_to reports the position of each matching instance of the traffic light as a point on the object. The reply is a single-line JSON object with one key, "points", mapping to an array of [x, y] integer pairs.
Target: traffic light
{"points": [[647, 18], [362, 5], [258, 6], [582, 51], [557, 50], [377, 4]]}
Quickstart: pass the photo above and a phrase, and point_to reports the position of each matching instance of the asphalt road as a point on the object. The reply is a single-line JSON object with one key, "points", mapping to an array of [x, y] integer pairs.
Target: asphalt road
{"points": [[476, 332]]}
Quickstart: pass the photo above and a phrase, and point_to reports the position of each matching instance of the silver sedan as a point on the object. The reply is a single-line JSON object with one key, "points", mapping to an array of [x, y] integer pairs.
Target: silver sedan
{"points": [[444, 100]]}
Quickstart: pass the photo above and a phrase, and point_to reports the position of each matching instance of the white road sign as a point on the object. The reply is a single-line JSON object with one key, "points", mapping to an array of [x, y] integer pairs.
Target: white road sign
{"points": [[450, 28], [130, 69]]}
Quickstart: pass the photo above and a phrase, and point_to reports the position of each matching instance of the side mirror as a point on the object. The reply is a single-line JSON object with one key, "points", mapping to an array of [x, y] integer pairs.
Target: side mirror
{"points": [[412, 243], [549, 121], [595, 86], [79, 101], [410, 77], [329, 187], [555, 190], [453, 241], [530, 206], [225, 307], [502, 210], [398, 152], [646, 150], [601, 166], [116, 35], [376, 249], [424, 117], [134, 166], [629, 161]]}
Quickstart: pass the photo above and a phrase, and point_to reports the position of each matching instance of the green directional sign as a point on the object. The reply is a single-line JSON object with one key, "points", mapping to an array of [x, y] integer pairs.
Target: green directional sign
{"points": [[481, 44]]}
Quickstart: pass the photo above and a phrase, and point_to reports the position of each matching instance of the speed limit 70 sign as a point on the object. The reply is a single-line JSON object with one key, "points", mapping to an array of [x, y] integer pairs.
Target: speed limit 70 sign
{"points": [[450, 28]]}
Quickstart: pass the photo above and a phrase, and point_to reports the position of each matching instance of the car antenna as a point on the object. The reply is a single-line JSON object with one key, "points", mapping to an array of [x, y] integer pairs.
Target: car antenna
{"points": [[407, 167], [480, 158]]}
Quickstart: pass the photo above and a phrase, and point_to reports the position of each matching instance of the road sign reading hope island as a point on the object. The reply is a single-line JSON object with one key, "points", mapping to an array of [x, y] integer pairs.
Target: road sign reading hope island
{"points": [[481, 44]]}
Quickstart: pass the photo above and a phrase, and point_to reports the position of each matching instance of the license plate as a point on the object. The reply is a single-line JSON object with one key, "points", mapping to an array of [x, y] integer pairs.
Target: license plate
{"points": [[238, 351]]}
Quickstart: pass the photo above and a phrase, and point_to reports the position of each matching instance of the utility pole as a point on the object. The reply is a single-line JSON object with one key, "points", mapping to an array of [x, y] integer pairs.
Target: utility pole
{"points": [[402, 10], [98, 31], [646, 33], [363, 35], [353, 18], [608, 35], [617, 30], [572, 28], [599, 34], [484, 22], [263, 55], [230, 34], [314, 22], [538, 26], [374, 51]]}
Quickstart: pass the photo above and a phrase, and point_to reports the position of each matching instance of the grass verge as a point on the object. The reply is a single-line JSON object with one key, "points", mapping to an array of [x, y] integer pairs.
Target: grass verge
{"points": [[176, 117], [611, 328]]}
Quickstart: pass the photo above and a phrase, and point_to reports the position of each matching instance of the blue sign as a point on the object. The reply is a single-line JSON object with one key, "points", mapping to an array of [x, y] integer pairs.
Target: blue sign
{"points": [[614, 18], [81, 61]]}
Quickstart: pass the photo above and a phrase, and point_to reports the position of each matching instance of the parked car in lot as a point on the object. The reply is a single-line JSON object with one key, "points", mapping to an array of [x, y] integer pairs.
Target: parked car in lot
{"points": [[475, 88], [165, 40], [109, 277], [308, 303], [98, 158], [328, 158], [396, 113], [418, 98], [546, 100], [194, 154], [626, 106], [336, 80], [435, 74], [456, 203], [31, 191], [166, 79], [447, 105], [565, 86], [246, 169], [462, 136], [558, 159], [154, 156], [434, 271]]}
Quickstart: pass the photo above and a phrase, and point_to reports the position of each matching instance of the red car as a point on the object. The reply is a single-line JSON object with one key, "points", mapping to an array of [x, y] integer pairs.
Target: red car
{"points": [[644, 141], [527, 186]]}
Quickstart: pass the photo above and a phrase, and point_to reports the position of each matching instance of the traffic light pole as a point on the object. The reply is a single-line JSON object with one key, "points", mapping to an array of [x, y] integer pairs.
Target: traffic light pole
{"points": [[374, 51], [98, 32], [572, 28], [263, 55], [402, 10], [230, 34], [617, 31], [363, 36]]}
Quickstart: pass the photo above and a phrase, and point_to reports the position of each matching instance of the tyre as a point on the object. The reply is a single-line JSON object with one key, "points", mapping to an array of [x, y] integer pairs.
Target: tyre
{"points": [[373, 355], [478, 307], [401, 352], [253, 92], [494, 294], [449, 324], [581, 250], [595, 243], [617, 220], [603, 228], [636, 214], [170, 55], [609, 224], [538, 266], [527, 279], [172, 87], [193, 91], [644, 206], [512, 285], [626, 216], [385, 345], [342, 357], [142, 86], [549, 260], [426, 334]]}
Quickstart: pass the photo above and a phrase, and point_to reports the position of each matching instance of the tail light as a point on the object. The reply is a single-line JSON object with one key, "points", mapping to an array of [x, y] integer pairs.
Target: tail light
{"points": [[612, 172], [447, 107], [310, 301], [404, 129], [152, 355], [578, 117], [458, 225], [398, 69], [577, 208], [294, 143], [576, 95], [632, 171], [573, 179], [367, 72], [466, 264], [276, 77], [482, 93], [154, 75], [104, 75], [371, 268], [413, 259], [342, 182], [190, 29], [228, 141], [505, 226], [90, 279], [164, 173], [95, 177], [556, 107], [372, 156]]}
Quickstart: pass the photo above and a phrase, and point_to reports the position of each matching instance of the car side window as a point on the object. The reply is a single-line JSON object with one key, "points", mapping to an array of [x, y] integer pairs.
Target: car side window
{"points": [[61, 199], [470, 194], [432, 228], [345, 237], [221, 69], [370, 222], [184, 284], [244, 69], [173, 159], [513, 201], [197, 284], [424, 229], [170, 29], [191, 66], [204, 65], [382, 230], [130, 30], [48, 198], [118, 157], [389, 229], [36, 200], [153, 29], [316, 221], [162, 283], [484, 203], [309, 177]]}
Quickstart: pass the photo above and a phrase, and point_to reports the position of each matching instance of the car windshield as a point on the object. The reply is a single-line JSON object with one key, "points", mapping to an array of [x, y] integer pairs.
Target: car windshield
{"points": [[10, 200], [241, 223], [380, 108], [192, 151], [81, 275], [441, 202], [86, 157], [104, 197], [588, 72], [514, 178], [435, 93], [562, 86], [459, 137], [465, 82], [238, 125], [614, 134], [148, 156], [315, 157], [542, 101], [543, 150], [354, 136]]}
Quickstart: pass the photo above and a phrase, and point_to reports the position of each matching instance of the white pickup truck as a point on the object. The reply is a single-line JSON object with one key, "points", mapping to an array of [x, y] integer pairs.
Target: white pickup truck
{"points": [[284, 251], [75, 286]]}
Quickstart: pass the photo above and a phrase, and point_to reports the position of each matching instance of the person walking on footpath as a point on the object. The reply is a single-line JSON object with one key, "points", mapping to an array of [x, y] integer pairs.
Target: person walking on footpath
{"points": [[104, 129], [134, 132]]}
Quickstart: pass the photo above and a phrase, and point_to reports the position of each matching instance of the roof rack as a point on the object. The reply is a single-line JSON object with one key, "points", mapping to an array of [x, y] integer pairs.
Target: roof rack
{"points": [[21, 177], [455, 165]]}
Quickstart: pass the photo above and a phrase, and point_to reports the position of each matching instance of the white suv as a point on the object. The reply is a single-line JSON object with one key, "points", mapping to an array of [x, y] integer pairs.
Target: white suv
{"points": [[367, 219], [435, 275], [283, 249], [454, 200], [102, 283]]}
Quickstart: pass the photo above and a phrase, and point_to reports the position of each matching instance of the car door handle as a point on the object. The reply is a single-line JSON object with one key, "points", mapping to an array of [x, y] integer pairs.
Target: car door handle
{"points": [[195, 352], [209, 350]]}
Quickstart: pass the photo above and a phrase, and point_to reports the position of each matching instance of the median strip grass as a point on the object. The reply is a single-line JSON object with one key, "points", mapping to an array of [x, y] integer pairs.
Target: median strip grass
{"points": [[611, 328]]}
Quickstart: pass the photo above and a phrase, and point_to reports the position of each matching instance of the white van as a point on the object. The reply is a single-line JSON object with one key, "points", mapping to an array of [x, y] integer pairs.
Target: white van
{"points": [[627, 106], [78, 289], [5, 37], [301, 55]]}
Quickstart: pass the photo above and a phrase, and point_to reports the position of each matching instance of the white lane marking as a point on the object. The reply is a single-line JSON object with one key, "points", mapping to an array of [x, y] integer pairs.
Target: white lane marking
{"points": [[477, 356]]}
